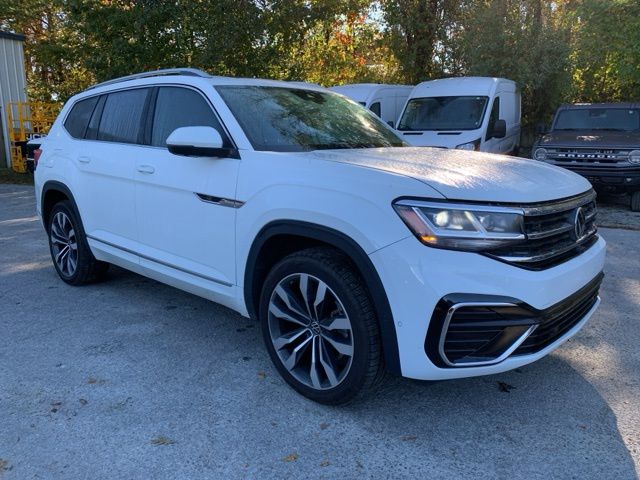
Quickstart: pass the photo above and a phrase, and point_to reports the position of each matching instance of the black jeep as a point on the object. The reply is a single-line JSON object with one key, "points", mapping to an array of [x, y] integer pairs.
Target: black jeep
{"points": [[600, 142]]}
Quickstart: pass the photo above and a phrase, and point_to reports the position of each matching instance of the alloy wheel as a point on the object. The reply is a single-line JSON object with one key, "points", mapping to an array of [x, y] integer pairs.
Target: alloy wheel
{"points": [[64, 245], [310, 331]]}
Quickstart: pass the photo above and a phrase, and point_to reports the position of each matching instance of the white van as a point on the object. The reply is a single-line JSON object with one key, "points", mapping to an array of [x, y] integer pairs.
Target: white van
{"points": [[468, 113], [386, 101]]}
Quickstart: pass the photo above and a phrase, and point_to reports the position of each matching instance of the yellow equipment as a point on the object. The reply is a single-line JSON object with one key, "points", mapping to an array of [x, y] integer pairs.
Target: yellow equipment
{"points": [[27, 120]]}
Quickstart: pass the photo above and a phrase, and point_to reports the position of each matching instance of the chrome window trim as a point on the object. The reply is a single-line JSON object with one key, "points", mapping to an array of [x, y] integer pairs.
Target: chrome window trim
{"points": [[149, 86]]}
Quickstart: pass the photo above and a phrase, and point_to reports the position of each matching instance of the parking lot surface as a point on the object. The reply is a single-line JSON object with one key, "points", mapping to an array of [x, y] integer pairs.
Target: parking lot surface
{"points": [[133, 379]]}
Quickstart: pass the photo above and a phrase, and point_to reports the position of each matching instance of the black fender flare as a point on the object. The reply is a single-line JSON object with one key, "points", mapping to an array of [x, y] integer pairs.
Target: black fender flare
{"points": [[59, 187], [355, 252]]}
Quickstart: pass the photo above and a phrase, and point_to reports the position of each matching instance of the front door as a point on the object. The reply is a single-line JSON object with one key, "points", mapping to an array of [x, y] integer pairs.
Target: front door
{"points": [[185, 205]]}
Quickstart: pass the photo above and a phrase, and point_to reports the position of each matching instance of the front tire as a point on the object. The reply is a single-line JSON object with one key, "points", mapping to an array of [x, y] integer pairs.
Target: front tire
{"points": [[319, 326], [69, 249]]}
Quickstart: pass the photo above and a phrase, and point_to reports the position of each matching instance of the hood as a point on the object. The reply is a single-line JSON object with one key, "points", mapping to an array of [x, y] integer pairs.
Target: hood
{"points": [[591, 139], [433, 138], [468, 176]]}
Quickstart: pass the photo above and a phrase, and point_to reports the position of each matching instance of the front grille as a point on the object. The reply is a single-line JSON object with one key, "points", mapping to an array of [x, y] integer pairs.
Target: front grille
{"points": [[562, 317], [588, 156], [552, 234], [470, 330]]}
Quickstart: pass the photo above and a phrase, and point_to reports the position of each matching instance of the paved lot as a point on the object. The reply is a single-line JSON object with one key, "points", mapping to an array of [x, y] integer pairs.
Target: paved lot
{"points": [[133, 379]]}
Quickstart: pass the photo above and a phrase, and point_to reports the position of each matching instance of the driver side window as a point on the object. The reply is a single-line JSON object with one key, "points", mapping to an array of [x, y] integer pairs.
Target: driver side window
{"points": [[493, 117], [182, 107]]}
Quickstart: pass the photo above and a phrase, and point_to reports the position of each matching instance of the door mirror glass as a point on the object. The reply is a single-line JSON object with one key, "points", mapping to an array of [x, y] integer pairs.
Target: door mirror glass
{"points": [[499, 129], [196, 142]]}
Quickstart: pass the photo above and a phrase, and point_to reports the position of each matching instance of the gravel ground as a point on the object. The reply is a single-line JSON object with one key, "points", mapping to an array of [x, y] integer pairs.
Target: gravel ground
{"points": [[133, 379]]}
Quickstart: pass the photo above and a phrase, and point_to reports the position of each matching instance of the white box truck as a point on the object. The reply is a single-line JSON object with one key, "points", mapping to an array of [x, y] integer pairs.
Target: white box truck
{"points": [[468, 113]]}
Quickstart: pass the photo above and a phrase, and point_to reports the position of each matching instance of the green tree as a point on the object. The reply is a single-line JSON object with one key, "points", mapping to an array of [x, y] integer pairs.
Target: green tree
{"points": [[524, 40], [606, 50], [420, 34]]}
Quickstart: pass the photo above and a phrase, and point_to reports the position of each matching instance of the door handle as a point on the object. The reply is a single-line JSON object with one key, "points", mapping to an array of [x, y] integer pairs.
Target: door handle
{"points": [[84, 159], [146, 169]]}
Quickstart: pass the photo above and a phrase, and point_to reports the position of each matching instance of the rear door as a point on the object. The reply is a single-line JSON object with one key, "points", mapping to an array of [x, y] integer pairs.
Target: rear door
{"points": [[105, 158], [185, 205]]}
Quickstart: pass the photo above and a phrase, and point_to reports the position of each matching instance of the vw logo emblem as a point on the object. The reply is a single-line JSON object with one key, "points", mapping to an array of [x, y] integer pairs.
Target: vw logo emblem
{"points": [[579, 222]]}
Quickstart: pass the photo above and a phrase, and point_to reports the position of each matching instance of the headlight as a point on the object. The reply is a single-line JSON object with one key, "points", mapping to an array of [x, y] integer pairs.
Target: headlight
{"points": [[540, 154], [474, 146], [461, 227], [634, 156]]}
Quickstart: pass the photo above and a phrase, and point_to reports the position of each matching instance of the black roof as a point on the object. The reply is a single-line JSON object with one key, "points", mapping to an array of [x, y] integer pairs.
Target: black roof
{"points": [[12, 36], [575, 106]]}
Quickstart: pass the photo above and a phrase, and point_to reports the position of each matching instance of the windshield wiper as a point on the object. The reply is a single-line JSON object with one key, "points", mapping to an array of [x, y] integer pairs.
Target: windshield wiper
{"points": [[337, 146]]}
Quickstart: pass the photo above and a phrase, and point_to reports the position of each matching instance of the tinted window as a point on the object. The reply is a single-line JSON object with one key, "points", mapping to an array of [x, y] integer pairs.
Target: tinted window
{"points": [[94, 123], [494, 116], [292, 119], [443, 113], [624, 119], [181, 107], [495, 111], [76, 122], [122, 115], [375, 108]]}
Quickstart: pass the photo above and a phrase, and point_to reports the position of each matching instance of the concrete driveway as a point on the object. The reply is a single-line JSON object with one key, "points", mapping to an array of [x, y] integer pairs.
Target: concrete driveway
{"points": [[133, 379]]}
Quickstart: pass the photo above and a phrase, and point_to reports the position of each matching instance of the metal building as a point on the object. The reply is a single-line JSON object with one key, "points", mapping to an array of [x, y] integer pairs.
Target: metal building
{"points": [[13, 85]]}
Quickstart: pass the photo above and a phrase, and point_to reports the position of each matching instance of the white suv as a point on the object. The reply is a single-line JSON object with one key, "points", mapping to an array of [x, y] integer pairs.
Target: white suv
{"points": [[295, 206]]}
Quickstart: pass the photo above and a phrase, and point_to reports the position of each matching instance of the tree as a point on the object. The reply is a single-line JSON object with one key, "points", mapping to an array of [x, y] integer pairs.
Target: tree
{"points": [[419, 34], [606, 50], [523, 40]]}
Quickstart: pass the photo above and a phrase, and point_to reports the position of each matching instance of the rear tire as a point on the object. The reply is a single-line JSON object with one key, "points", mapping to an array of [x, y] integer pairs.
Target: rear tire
{"points": [[635, 201], [70, 252], [326, 342]]}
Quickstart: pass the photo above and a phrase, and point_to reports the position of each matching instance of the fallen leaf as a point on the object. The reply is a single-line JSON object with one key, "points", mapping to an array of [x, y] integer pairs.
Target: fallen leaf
{"points": [[83, 401], [408, 438], [324, 426], [291, 457], [324, 463], [162, 440], [4, 465], [505, 387], [262, 375]]}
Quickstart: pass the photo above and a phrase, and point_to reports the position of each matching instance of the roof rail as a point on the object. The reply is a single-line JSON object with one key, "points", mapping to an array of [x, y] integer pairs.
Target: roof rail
{"points": [[193, 72]]}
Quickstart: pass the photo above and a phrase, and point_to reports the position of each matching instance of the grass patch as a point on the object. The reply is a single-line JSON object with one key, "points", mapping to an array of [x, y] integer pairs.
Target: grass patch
{"points": [[9, 176]]}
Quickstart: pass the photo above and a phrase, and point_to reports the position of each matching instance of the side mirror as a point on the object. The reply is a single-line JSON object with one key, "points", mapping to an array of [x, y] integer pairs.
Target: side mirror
{"points": [[197, 142], [499, 129], [391, 124]]}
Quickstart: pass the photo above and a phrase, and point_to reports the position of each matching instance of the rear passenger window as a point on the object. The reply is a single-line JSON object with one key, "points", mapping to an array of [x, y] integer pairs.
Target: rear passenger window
{"points": [[78, 118], [375, 108], [122, 116], [182, 107]]}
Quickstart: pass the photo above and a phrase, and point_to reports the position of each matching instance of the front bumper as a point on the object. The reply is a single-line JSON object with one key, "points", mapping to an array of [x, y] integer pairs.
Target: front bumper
{"points": [[416, 278], [609, 179]]}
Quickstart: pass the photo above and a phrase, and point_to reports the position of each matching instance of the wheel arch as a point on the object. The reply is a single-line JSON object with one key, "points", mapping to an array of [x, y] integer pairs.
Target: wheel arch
{"points": [[52, 193], [304, 235]]}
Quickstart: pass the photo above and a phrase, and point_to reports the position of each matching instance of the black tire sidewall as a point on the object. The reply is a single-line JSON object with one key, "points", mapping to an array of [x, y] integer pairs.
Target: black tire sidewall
{"points": [[85, 257], [356, 377]]}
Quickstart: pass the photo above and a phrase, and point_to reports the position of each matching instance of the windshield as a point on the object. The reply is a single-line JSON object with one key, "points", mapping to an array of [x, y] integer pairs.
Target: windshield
{"points": [[284, 119], [443, 113], [616, 119]]}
